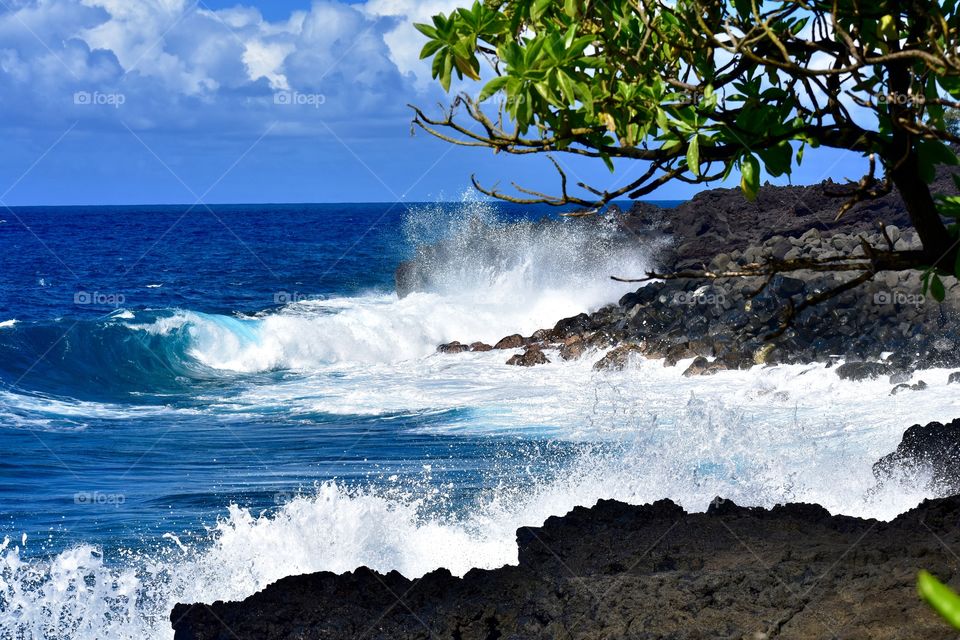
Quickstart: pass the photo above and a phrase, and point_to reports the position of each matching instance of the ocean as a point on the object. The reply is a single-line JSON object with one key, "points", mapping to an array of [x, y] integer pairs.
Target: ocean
{"points": [[196, 402]]}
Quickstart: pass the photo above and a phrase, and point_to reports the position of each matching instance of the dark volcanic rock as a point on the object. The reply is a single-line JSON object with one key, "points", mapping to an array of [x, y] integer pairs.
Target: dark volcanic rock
{"points": [[934, 448], [920, 385], [510, 342], [572, 348], [453, 347], [720, 221], [737, 320], [618, 358], [863, 370], [529, 358], [571, 326], [480, 346], [703, 367], [618, 571]]}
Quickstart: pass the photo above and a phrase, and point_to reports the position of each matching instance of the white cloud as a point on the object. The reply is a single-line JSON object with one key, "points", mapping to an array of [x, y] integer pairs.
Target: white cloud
{"points": [[179, 65], [404, 41]]}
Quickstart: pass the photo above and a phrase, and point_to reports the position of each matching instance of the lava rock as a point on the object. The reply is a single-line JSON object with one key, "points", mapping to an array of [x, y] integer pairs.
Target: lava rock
{"points": [[863, 370], [919, 386], [573, 347], [453, 347], [900, 377], [570, 326], [662, 572], [529, 358], [617, 359], [703, 367], [934, 447], [514, 341]]}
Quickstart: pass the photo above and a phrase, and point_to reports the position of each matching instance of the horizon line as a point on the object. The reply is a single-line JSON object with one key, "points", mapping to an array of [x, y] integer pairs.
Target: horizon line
{"points": [[200, 206]]}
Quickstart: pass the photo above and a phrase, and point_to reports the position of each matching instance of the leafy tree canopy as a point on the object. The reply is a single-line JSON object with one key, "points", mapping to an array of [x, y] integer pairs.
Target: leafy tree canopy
{"points": [[699, 89]]}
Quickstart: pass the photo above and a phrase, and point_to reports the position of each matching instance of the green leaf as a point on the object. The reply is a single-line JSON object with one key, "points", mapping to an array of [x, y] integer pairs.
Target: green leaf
{"points": [[426, 30], [941, 597], [744, 8], [446, 70], [750, 177], [937, 289], [778, 159], [566, 86], [538, 9], [431, 48], [492, 87], [607, 161], [693, 155], [932, 153], [468, 67]]}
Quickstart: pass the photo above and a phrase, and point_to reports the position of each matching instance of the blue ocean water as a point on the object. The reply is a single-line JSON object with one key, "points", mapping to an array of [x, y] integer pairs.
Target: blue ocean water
{"points": [[121, 432], [195, 402]]}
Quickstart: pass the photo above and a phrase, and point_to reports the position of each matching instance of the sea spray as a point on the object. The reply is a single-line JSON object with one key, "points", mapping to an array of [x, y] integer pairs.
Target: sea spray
{"points": [[184, 390]]}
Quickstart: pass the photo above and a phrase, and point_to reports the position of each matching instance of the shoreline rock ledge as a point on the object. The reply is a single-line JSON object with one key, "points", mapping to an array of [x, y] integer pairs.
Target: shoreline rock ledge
{"points": [[621, 571]]}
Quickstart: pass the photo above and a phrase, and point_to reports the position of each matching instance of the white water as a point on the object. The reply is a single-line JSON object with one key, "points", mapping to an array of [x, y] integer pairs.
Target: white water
{"points": [[758, 437], [494, 279]]}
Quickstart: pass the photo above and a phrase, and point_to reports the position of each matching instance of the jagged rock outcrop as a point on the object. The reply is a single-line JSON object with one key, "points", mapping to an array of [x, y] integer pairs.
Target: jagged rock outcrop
{"points": [[621, 571]]}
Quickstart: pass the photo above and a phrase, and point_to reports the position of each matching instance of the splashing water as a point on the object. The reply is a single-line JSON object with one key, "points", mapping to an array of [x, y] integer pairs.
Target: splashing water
{"points": [[379, 446]]}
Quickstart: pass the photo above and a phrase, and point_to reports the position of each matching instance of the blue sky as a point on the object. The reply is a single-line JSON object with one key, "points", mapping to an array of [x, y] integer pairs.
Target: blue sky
{"points": [[170, 101]]}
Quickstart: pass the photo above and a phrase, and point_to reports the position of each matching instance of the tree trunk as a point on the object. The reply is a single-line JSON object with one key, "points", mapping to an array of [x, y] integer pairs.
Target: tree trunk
{"points": [[920, 205]]}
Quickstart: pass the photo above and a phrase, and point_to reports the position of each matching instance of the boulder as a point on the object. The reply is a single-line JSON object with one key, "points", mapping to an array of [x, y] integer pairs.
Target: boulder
{"points": [[790, 572], [617, 359], [703, 367], [919, 386], [529, 358], [452, 347], [569, 326], [863, 370], [514, 341], [934, 448], [573, 347]]}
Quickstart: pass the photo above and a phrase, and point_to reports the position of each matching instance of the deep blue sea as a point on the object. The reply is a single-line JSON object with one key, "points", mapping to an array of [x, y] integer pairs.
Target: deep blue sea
{"points": [[195, 402]]}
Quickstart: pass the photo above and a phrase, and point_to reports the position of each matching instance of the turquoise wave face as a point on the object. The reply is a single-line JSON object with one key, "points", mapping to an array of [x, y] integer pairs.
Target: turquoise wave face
{"points": [[99, 360]]}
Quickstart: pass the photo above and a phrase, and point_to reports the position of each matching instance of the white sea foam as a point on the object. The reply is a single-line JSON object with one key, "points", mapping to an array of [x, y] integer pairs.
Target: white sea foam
{"points": [[705, 451], [492, 279], [8, 324], [792, 433]]}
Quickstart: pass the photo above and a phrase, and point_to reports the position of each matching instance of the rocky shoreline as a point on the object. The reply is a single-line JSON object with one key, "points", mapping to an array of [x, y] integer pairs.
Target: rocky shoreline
{"points": [[887, 323], [724, 324], [655, 571]]}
